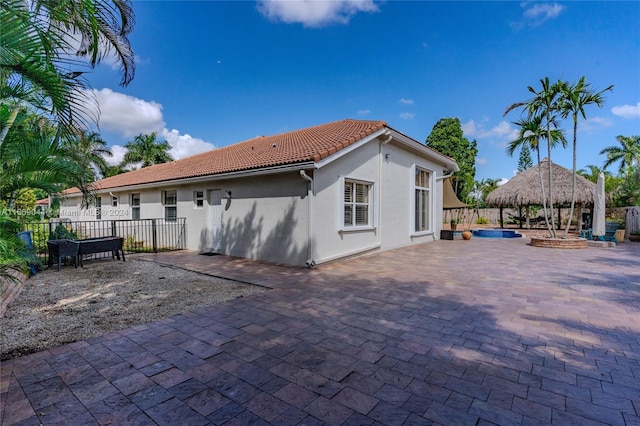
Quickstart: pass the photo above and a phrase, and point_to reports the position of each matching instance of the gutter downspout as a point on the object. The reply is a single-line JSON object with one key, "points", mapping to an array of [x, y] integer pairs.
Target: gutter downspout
{"points": [[444, 176], [381, 156], [310, 262]]}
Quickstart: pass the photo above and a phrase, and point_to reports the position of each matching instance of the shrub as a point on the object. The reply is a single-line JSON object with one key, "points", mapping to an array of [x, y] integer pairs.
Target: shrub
{"points": [[62, 233], [482, 220]]}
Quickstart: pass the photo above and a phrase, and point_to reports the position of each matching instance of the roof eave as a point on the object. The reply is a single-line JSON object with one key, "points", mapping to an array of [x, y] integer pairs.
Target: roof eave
{"points": [[449, 163], [207, 178]]}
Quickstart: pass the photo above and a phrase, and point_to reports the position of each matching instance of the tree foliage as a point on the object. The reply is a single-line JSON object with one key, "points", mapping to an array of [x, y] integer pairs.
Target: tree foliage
{"points": [[90, 150], [524, 161], [573, 100], [32, 157], [627, 153], [543, 113], [46, 47], [146, 150], [447, 138]]}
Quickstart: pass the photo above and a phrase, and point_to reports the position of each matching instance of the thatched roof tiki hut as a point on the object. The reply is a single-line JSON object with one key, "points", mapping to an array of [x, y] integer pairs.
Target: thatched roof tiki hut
{"points": [[524, 189]]}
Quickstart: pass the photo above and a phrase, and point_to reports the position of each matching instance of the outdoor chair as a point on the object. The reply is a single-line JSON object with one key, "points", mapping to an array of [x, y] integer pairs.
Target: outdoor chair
{"points": [[610, 232], [535, 221], [520, 220]]}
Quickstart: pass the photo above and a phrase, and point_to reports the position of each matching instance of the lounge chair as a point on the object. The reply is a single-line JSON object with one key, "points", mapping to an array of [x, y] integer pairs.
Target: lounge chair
{"points": [[610, 232], [520, 220], [535, 221]]}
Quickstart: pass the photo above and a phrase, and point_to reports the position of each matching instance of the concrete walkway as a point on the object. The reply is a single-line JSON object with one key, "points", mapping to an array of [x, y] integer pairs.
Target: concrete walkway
{"points": [[451, 332]]}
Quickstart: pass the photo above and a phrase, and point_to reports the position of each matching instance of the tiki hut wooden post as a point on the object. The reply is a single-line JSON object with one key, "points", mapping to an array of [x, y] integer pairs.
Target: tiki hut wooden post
{"points": [[524, 189]]}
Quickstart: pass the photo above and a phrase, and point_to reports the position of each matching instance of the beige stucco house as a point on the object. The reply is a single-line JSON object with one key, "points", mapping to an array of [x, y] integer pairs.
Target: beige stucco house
{"points": [[300, 198]]}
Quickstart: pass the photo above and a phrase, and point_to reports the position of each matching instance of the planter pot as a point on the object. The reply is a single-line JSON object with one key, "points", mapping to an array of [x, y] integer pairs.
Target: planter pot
{"points": [[619, 235], [560, 243], [466, 235], [634, 237]]}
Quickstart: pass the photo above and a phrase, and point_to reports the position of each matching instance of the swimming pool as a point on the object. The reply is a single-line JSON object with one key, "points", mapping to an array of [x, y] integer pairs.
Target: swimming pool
{"points": [[495, 233]]}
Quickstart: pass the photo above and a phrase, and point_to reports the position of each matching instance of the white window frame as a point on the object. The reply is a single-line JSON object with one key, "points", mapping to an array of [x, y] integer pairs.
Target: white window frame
{"points": [[372, 202], [430, 215], [169, 206], [198, 199], [135, 207]]}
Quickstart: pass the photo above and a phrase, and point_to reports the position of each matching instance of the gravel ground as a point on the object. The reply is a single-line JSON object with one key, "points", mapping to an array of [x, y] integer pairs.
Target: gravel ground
{"points": [[55, 308]]}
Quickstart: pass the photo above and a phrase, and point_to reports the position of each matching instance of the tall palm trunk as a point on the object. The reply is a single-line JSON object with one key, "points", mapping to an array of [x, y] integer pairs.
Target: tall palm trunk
{"points": [[12, 118], [544, 198], [573, 180], [552, 227]]}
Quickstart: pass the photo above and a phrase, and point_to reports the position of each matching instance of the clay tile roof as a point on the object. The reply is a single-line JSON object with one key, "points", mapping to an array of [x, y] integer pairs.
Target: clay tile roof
{"points": [[298, 146]]}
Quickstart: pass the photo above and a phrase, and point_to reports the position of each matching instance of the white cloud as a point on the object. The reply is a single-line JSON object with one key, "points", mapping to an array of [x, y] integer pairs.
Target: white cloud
{"points": [[406, 101], [502, 130], [503, 181], [542, 11], [593, 123], [407, 115], [627, 111], [314, 13], [118, 155], [469, 128], [364, 112], [481, 160], [537, 13], [184, 145], [129, 116]]}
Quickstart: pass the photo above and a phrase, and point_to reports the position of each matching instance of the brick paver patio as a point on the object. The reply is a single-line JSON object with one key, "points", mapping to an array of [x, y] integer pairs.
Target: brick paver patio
{"points": [[451, 332]]}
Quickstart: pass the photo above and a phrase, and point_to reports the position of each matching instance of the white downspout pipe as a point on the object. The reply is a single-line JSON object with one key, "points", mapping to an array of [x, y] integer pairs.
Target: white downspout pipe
{"points": [[444, 176], [381, 159], [310, 262]]}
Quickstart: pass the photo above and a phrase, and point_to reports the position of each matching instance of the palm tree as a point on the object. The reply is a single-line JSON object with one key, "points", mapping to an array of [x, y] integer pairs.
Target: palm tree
{"points": [[36, 69], [546, 104], [628, 153], [32, 157], [38, 74], [102, 26], [591, 172], [116, 169], [484, 187], [147, 150], [90, 149], [573, 100], [14, 257], [628, 193], [530, 133], [30, 77]]}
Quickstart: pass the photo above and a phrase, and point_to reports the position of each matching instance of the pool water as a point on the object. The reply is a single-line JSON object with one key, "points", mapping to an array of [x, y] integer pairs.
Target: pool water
{"points": [[495, 233]]}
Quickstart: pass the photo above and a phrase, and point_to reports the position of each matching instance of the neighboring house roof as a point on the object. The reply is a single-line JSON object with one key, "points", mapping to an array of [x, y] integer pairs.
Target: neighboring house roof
{"points": [[308, 145], [43, 202]]}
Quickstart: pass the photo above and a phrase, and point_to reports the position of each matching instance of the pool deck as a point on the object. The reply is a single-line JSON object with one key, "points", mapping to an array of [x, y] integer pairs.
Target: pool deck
{"points": [[486, 331]]}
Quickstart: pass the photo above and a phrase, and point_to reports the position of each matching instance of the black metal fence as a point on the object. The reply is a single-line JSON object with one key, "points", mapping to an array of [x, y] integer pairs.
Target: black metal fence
{"points": [[140, 236]]}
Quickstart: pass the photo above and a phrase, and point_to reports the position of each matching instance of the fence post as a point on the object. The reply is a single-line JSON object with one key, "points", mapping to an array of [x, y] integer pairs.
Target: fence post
{"points": [[113, 228], [154, 235]]}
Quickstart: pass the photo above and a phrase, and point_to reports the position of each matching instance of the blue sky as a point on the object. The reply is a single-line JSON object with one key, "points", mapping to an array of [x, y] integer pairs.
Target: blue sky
{"points": [[212, 73]]}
